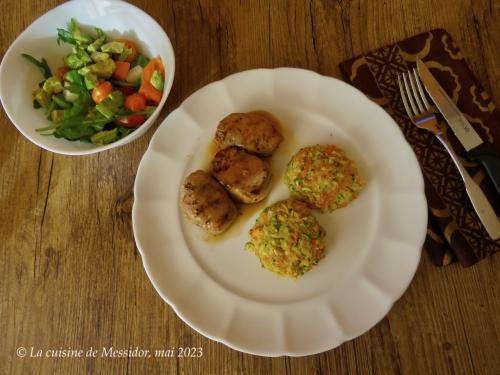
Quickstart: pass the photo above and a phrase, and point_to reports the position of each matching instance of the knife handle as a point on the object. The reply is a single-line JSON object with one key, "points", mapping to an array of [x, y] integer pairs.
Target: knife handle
{"points": [[491, 162], [481, 205]]}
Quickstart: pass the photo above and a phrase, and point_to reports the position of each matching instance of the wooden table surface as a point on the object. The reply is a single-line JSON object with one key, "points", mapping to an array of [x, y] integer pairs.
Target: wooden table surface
{"points": [[71, 277]]}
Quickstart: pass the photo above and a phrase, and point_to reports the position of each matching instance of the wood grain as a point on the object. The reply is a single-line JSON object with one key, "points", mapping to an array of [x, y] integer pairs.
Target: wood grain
{"points": [[71, 276]]}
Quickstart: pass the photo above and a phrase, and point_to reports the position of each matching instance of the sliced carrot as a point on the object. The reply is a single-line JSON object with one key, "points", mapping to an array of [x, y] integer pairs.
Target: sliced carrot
{"points": [[149, 69], [121, 71], [150, 92], [129, 44]]}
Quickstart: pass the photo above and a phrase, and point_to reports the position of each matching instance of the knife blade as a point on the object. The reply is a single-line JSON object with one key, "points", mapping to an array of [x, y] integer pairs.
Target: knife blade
{"points": [[476, 149]]}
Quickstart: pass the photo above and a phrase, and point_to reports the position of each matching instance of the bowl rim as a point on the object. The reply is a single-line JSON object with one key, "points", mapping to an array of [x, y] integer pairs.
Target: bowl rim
{"points": [[129, 138]]}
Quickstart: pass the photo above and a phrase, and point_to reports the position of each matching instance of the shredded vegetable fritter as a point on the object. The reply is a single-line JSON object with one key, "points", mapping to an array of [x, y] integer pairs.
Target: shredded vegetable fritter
{"points": [[287, 239], [324, 177]]}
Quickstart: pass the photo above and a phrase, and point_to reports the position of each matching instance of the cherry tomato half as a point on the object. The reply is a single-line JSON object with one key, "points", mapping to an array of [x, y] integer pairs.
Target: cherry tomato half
{"points": [[135, 102], [61, 71], [101, 92], [131, 121]]}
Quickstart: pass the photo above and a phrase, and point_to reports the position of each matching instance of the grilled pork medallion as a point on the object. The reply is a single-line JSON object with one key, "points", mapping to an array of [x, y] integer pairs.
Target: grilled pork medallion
{"points": [[255, 132], [246, 176], [205, 203]]}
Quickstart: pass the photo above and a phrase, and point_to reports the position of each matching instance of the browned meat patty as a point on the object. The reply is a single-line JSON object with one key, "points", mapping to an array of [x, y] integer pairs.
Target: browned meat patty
{"points": [[255, 132], [246, 176], [206, 204]]}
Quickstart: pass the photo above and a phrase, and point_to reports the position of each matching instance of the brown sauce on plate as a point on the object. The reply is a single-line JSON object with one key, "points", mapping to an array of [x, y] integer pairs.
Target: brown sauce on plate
{"points": [[245, 212]]}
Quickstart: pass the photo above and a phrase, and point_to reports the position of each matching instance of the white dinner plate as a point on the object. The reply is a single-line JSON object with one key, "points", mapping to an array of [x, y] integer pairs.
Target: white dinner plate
{"points": [[373, 246]]}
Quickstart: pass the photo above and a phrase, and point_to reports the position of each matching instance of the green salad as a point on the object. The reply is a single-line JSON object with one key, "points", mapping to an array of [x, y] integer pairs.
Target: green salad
{"points": [[103, 90]]}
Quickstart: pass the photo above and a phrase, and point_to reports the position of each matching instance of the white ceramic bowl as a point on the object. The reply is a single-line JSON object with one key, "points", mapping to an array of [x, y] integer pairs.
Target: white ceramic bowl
{"points": [[19, 78]]}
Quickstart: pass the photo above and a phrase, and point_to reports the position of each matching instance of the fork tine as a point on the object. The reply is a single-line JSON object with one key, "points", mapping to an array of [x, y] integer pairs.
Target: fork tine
{"points": [[410, 97], [415, 92], [403, 96], [421, 90]]}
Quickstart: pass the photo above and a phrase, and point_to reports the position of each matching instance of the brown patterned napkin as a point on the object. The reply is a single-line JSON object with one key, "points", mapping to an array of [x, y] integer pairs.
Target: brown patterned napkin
{"points": [[454, 230]]}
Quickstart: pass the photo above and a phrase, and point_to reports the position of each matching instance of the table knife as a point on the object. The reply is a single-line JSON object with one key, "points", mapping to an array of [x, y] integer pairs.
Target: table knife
{"points": [[476, 149]]}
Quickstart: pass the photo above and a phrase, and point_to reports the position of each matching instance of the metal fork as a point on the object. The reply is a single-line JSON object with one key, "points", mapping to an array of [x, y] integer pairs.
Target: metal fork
{"points": [[420, 113]]}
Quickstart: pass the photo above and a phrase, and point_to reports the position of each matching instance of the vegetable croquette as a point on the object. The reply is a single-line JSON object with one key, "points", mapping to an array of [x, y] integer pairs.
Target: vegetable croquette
{"points": [[324, 177], [287, 238]]}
